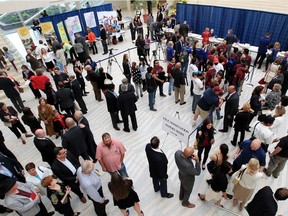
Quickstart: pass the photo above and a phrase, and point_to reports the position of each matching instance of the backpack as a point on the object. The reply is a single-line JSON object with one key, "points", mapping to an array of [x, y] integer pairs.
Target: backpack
{"points": [[120, 39], [114, 40]]}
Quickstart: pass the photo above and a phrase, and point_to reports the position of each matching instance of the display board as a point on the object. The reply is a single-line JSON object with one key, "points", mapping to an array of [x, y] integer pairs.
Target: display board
{"points": [[62, 32], [107, 18], [25, 36], [90, 19], [73, 25]]}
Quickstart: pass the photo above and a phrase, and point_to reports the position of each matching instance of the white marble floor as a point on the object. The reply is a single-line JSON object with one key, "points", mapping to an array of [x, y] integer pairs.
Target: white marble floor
{"points": [[137, 166]]}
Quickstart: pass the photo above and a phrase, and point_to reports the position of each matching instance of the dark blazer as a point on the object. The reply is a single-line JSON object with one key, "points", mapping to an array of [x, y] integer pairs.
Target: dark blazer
{"points": [[8, 87], [74, 141], [157, 163], [3, 149], [112, 102], [76, 88], [33, 61], [178, 77], [126, 68], [255, 103], [231, 106], [101, 78], [126, 102], [45, 147], [242, 120], [277, 79], [13, 166], [65, 98], [12, 111], [103, 35], [30, 74], [61, 77], [204, 130], [263, 203], [62, 172]]}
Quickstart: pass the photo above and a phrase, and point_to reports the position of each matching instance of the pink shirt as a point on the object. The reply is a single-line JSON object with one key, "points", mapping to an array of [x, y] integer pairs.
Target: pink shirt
{"points": [[111, 157]]}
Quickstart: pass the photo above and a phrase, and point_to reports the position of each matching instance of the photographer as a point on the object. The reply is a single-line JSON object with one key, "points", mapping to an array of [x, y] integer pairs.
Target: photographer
{"points": [[158, 74], [140, 43], [157, 27]]}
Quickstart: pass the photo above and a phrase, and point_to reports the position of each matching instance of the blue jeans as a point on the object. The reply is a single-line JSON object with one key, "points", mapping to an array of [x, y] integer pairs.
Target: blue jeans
{"points": [[196, 99], [171, 85], [185, 67], [160, 184], [151, 99], [122, 171]]}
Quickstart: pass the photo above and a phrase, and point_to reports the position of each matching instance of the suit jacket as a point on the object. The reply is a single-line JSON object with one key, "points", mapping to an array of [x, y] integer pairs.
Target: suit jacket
{"points": [[89, 138], [23, 205], [61, 77], [263, 203], [187, 171], [65, 98], [103, 35], [62, 172], [126, 102], [33, 61], [8, 87], [157, 163], [231, 107], [74, 141], [13, 166], [45, 147], [76, 88], [242, 120], [3, 149], [112, 101]]}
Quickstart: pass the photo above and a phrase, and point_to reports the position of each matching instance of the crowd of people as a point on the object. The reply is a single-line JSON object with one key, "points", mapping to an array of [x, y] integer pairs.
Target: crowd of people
{"points": [[217, 75]]}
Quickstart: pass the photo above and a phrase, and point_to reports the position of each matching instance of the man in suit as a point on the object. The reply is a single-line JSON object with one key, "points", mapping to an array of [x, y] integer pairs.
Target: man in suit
{"points": [[157, 167], [11, 168], [103, 37], [3, 149], [10, 90], [65, 98], [179, 83], [112, 106], [77, 91], [60, 77], [127, 107], [34, 63], [23, 198], [65, 167], [231, 108], [187, 173], [265, 202], [74, 140], [45, 146], [89, 137]]}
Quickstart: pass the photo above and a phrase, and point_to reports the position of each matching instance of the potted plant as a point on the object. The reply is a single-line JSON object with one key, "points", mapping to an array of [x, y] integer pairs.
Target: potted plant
{"points": [[142, 5]]}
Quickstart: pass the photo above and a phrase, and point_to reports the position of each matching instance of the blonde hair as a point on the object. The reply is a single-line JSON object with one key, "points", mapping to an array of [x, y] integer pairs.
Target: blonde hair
{"points": [[247, 108], [280, 110], [253, 165], [277, 87], [277, 45]]}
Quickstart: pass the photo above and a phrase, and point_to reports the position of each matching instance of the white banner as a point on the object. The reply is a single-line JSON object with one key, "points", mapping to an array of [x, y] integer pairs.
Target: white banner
{"points": [[90, 19], [107, 18], [176, 128]]}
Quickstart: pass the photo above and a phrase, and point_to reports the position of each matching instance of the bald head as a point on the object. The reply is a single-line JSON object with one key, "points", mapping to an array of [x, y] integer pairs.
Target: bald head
{"points": [[40, 133], [78, 115], [70, 122], [178, 65], [255, 145], [231, 89], [188, 152], [87, 166]]}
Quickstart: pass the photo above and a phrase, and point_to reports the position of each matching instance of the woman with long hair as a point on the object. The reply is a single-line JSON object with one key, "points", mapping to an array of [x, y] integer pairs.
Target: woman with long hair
{"points": [[45, 114], [136, 77], [9, 117], [126, 67], [78, 70], [140, 43], [244, 189], [59, 195], [48, 60], [29, 119], [123, 194], [205, 138], [271, 57]]}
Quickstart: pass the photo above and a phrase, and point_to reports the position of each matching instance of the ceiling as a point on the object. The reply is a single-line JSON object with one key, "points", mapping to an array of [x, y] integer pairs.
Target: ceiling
{"points": [[8, 6]]}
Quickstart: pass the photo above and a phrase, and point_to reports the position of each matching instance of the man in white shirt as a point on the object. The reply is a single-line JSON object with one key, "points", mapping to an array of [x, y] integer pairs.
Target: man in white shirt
{"points": [[218, 66], [91, 185], [39, 47], [198, 89]]}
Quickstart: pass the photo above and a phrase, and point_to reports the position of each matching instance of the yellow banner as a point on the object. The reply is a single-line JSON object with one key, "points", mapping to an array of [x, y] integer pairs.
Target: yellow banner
{"points": [[62, 32], [23, 32], [47, 28]]}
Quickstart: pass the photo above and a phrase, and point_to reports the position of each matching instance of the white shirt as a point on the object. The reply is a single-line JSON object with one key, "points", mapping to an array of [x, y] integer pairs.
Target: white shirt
{"points": [[249, 181], [277, 127], [198, 87], [39, 47], [69, 165], [263, 133], [218, 67], [192, 68]]}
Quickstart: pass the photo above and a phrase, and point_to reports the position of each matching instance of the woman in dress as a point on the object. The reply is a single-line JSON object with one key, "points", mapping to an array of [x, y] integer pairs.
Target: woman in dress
{"points": [[205, 138], [140, 43], [45, 114], [271, 72], [136, 77], [59, 194], [126, 67], [48, 60], [143, 70], [39, 81], [256, 102], [9, 116], [78, 70], [59, 124], [101, 80], [274, 97], [123, 194], [60, 55], [29, 119], [244, 189]]}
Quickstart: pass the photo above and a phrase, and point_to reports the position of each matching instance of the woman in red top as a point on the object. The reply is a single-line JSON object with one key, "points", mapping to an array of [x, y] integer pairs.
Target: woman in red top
{"points": [[92, 41], [39, 81], [59, 122], [205, 138], [205, 36]]}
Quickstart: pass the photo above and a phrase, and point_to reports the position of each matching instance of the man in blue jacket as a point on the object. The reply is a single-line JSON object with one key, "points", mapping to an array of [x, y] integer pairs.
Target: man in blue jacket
{"points": [[264, 43]]}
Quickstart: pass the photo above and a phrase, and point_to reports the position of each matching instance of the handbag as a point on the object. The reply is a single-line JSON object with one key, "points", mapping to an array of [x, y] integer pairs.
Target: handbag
{"points": [[20, 89], [107, 81], [238, 176], [261, 81], [252, 136]]}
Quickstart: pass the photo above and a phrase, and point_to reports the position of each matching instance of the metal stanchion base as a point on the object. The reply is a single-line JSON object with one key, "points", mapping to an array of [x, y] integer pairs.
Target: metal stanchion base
{"points": [[250, 85]]}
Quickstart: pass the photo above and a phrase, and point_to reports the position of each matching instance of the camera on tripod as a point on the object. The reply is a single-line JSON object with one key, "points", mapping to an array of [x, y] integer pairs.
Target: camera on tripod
{"points": [[159, 35], [110, 50], [154, 52]]}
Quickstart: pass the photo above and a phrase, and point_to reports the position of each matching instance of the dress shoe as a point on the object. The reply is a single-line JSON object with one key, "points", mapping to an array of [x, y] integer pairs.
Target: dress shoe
{"points": [[177, 101], [84, 95], [189, 205], [117, 128], [5, 209], [183, 103], [51, 213], [223, 131], [162, 95], [266, 172], [126, 130], [83, 200], [220, 118], [135, 129], [106, 201], [29, 135], [203, 167], [153, 109], [168, 195], [77, 213], [100, 100], [120, 121], [209, 181], [234, 144]]}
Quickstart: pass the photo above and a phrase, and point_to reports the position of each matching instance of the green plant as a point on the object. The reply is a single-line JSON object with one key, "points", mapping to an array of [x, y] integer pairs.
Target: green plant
{"points": [[141, 4]]}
